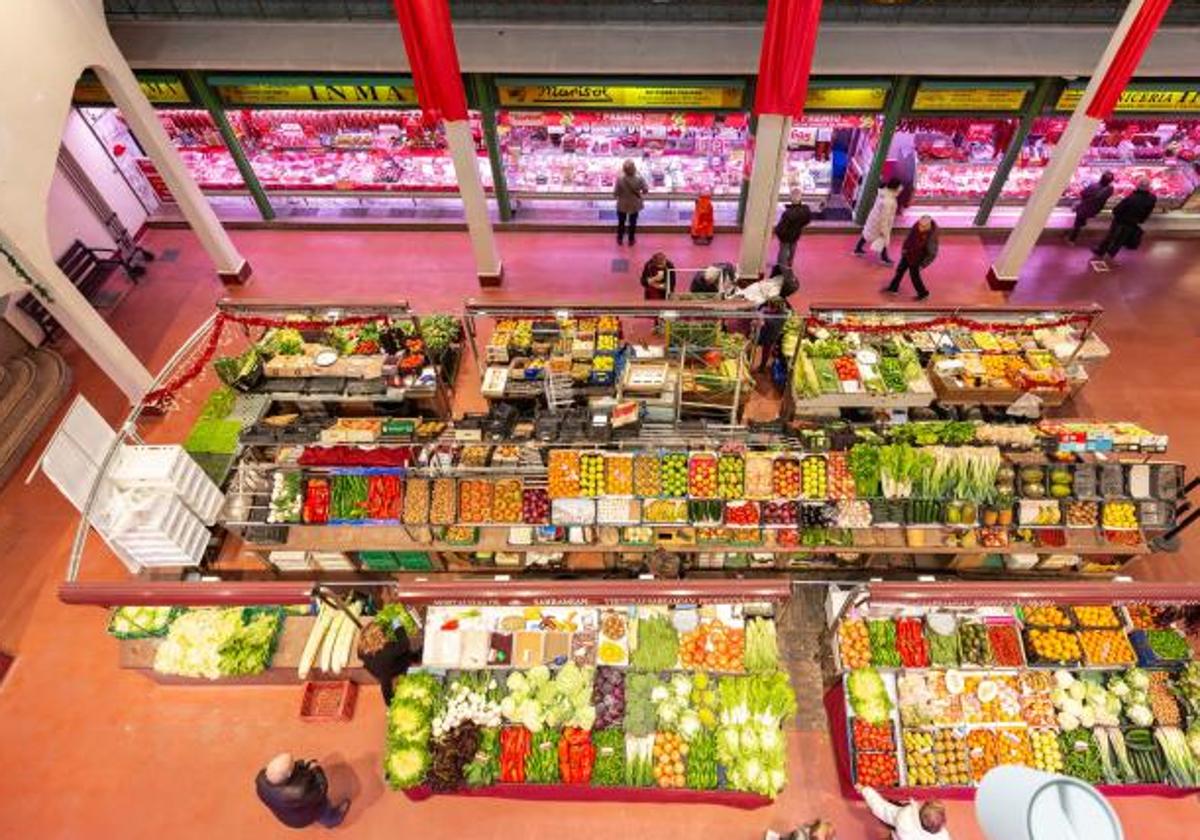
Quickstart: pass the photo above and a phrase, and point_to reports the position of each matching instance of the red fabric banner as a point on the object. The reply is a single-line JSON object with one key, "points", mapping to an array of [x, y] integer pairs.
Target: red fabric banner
{"points": [[433, 57], [1129, 54], [789, 41]]}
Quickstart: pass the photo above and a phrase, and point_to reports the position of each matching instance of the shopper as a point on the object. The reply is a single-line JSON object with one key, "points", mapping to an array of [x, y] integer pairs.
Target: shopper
{"points": [[658, 276], [771, 330], [914, 821], [877, 232], [919, 251], [1091, 201], [297, 793], [815, 830], [386, 654], [630, 192], [795, 218], [702, 219], [1129, 215], [713, 280]]}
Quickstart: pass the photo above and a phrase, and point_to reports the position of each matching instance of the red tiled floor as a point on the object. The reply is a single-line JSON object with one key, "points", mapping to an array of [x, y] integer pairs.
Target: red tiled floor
{"points": [[94, 752]]}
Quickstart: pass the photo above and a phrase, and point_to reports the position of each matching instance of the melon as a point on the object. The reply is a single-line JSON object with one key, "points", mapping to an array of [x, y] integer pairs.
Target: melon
{"points": [[955, 683], [987, 691]]}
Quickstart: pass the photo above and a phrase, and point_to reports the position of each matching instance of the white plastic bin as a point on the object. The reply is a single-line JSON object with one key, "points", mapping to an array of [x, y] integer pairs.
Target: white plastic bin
{"points": [[1019, 803]]}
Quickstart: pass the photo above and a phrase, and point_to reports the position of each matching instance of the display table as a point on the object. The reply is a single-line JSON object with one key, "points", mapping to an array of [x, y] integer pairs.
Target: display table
{"points": [[138, 655], [835, 711], [588, 793]]}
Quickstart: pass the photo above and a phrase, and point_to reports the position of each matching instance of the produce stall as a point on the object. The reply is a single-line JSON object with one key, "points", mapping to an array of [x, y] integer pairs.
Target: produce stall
{"points": [[587, 696], [907, 356], [566, 140], [1154, 133], [957, 496], [652, 362], [360, 137], [943, 682]]}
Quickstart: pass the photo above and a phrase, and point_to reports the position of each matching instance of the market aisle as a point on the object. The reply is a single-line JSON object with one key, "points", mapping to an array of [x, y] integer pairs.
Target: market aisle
{"points": [[92, 751]]}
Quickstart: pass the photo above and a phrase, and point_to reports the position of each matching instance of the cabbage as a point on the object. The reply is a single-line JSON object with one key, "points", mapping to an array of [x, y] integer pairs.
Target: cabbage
{"points": [[1073, 707], [407, 719], [1067, 722], [405, 766], [1064, 679], [1077, 690], [1087, 717], [1137, 679], [1058, 697], [1118, 687]]}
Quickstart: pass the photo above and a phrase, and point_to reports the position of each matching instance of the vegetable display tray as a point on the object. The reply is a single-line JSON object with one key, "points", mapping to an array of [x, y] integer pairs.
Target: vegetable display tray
{"points": [[325, 702]]}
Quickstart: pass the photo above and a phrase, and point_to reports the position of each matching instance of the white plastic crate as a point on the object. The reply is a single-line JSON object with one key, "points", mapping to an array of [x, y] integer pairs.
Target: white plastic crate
{"points": [[168, 468], [157, 530]]}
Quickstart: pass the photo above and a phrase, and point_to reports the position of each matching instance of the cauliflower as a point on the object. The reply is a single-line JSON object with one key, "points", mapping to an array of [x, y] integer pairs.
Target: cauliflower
{"points": [[1141, 715], [1067, 722], [1137, 679], [1119, 687], [1077, 690], [1064, 679], [1087, 717]]}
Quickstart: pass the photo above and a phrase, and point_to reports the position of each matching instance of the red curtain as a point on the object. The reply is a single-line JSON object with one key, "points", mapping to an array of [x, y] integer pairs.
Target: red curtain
{"points": [[789, 40], [429, 42], [1145, 24]]}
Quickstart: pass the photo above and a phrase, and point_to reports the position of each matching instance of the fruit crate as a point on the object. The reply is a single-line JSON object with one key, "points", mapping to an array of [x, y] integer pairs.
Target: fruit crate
{"points": [[326, 702]]}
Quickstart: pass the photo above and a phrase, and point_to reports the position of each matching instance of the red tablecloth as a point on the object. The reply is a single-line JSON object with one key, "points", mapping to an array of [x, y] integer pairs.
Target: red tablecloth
{"points": [[586, 793], [835, 711]]}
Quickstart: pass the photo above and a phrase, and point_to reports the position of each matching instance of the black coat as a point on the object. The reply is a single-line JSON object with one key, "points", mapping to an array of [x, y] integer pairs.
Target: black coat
{"points": [[389, 662], [1093, 198], [1134, 208], [792, 223], [299, 801]]}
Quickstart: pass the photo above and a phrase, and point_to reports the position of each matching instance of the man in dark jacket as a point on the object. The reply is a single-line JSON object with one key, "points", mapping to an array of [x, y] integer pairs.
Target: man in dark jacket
{"points": [[298, 793], [1129, 215], [385, 655], [919, 251], [1091, 201], [791, 224]]}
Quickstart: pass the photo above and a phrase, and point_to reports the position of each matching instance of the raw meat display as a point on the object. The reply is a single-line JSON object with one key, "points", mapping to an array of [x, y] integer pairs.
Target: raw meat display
{"points": [[343, 150], [582, 152]]}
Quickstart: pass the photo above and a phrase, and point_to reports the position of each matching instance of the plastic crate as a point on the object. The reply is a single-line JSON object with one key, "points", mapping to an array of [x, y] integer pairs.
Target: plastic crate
{"points": [[327, 702]]}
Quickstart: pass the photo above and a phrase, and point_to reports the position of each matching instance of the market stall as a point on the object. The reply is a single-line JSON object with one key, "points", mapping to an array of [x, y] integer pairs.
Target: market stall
{"points": [[941, 683], [845, 356], [950, 141], [565, 140], [190, 129], [321, 138], [831, 145], [1154, 133], [632, 364]]}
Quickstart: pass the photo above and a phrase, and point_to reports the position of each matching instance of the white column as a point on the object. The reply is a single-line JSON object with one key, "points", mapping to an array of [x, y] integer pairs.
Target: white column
{"points": [[470, 187], [762, 200], [1064, 160], [82, 322], [122, 86]]}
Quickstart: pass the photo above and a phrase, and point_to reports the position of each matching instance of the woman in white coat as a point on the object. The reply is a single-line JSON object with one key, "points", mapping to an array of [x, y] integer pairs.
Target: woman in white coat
{"points": [[878, 229]]}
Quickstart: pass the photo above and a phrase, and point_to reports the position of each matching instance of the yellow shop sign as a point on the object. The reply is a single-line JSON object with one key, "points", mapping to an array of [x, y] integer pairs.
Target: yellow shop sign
{"points": [[317, 94], [619, 96], [1165, 100], [164, 90], [846, 98], [969, 98]]}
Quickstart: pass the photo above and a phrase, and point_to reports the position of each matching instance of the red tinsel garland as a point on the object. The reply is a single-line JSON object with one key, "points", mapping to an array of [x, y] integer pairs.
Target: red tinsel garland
{"points": [[162, 396], [813, 323]]}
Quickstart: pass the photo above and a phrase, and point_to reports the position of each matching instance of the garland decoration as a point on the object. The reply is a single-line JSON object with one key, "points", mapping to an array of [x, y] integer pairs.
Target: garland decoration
{"points": [[38, 288]]}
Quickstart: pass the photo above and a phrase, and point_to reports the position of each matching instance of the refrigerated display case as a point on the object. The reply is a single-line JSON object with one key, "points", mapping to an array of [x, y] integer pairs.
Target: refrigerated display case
{"points": [[954, 159], [351, 151], [579, 153], [1163, 148]]}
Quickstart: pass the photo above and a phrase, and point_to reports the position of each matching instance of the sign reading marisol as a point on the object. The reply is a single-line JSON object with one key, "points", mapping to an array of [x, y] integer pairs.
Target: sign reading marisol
{"points": [[619, 96]]}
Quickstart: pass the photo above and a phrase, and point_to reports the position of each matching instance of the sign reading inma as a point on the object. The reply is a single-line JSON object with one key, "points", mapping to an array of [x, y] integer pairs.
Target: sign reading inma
{"points": [[316, 93]]}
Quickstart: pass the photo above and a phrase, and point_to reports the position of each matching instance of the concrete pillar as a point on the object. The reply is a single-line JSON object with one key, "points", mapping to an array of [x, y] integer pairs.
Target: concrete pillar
{"points": [[470, 187], [1064, 160], [762, 201], [122, 86]]}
